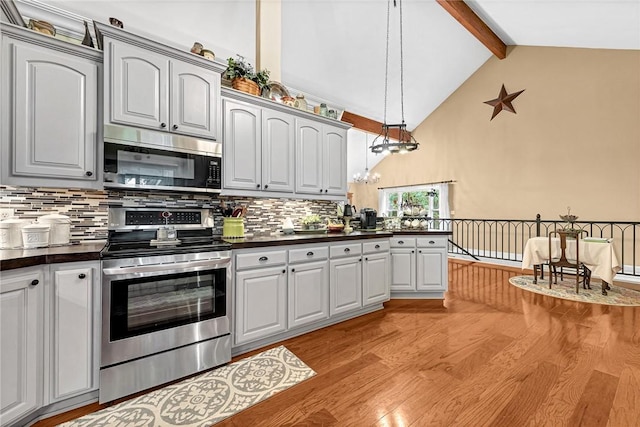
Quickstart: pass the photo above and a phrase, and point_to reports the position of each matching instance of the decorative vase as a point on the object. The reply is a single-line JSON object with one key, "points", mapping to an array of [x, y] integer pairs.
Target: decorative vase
{"points": [[300, 102], [245, 85]]}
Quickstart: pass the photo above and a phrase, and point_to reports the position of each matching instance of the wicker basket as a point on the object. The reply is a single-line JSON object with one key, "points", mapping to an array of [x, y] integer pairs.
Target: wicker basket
{"points": [[245, 85]]}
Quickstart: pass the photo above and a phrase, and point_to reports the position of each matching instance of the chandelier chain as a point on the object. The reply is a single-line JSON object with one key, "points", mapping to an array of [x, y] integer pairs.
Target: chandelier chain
{"points": [[401, 67], [386, 62]]}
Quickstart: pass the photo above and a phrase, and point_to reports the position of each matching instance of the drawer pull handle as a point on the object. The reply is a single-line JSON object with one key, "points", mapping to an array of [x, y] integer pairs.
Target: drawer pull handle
{"points": [[35, 282], [163, 125], [401, 242], [263, 258], [347, 250], [431, 242], [81, 276], [175, 127], [284, 271], [377, 246], [309, 253]]}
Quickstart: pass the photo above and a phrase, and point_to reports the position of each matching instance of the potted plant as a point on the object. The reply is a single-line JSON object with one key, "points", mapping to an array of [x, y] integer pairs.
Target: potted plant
{"points": [[311, 222], [243, 76]]}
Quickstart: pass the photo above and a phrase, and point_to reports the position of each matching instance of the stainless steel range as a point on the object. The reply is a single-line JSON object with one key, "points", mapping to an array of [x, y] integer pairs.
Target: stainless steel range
{"points": [[165, 299]]}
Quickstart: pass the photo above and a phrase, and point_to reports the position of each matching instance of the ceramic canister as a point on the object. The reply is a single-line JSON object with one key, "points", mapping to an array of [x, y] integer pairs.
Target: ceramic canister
{"points": [[35, 236], [60, 228], [11, 233]]}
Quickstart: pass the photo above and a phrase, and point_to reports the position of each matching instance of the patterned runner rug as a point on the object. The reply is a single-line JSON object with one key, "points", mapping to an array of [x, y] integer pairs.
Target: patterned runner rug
{"points": [[207, 398], [566, 289]]}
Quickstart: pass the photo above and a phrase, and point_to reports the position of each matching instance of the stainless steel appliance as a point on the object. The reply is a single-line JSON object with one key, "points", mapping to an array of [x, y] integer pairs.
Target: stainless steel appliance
{"points": [[165, 301], [368, 218], [146, 159]]}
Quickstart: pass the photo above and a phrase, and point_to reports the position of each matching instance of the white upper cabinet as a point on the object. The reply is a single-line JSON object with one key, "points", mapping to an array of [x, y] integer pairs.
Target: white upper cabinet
{"points": [[139, 87], [309, 156], [278, 148], [50, 132], [335, 161], [242, 146], [195, 97], [160, 87]]}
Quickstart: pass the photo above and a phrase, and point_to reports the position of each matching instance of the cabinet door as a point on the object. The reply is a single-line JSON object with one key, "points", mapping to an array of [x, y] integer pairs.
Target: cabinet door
{"points": [[139, 86], [261, 303], [403, 270], [278, 151], [55, 107], [346, 285], [335, 161], [308, 293], [72, 333], [375, 278], [20, 335], [242, 150], [195, 100], [309, 155], [432, 267]]}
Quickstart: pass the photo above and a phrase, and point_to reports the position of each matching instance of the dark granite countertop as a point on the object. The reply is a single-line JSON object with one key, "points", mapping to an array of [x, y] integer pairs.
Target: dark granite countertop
{"points": [[88, 251], [18, 258]]}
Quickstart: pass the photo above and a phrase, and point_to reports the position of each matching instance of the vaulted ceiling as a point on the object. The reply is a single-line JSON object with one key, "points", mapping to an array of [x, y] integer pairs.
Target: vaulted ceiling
{"points": [[335, 49]]}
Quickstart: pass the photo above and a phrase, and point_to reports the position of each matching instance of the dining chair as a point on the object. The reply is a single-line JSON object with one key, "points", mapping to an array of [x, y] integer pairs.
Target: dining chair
{"points": [[582, 272]]}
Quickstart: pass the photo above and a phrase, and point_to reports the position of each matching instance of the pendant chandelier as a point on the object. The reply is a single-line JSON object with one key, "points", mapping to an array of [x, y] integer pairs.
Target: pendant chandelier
{"points": [[406, 142], [366, 178]]}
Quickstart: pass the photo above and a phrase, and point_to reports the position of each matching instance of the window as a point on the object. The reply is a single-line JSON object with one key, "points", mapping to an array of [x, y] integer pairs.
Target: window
{"points": [[416, 200]]}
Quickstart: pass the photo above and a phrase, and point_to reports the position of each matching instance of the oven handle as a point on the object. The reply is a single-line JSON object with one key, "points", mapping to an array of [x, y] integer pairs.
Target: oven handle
{"points": [[177, 267]]}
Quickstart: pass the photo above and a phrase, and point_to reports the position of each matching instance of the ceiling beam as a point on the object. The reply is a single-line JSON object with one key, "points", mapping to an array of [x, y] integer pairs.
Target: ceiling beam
{"points": [[368, 125], [476, 26]]}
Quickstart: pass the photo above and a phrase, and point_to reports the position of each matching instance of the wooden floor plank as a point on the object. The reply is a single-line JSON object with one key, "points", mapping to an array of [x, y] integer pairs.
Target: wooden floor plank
{"points": [[489, 354]]}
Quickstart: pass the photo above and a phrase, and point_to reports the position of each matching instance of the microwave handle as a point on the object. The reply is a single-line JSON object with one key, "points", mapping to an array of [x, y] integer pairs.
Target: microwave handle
{"points": [[175, 267]]}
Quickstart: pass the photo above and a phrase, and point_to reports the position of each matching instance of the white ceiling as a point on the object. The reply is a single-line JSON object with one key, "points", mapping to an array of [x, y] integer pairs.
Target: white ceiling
{"points": [[335, 49]]}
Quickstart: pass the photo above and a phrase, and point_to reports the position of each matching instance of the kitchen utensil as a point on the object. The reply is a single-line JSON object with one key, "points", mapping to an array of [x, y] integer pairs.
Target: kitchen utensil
{"points": [[237, 212], [35, 236], [349, 210], [11, 233], [415, 223], [59, 228]]}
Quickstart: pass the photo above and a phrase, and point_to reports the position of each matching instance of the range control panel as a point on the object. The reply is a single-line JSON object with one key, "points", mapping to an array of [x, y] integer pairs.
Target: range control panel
{"points": [[162, 217], [121, 218]]}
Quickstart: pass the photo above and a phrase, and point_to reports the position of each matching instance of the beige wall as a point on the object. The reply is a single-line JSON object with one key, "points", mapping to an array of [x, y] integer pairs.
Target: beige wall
{"points": [[575, 140]]}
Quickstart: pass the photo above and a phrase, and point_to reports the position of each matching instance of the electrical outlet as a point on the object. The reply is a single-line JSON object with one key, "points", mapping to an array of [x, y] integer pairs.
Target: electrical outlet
{"points": [[6, 213]]}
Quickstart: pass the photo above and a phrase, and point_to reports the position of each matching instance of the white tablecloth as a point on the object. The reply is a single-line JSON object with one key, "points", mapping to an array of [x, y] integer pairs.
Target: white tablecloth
{"points": [[600, 257]]}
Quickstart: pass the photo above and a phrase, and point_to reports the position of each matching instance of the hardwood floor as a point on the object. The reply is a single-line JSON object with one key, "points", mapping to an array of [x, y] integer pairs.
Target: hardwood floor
{"points": [[493, 354]]}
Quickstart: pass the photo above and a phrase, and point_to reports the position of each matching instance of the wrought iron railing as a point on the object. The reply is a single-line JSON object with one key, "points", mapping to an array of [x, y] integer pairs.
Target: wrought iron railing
{"points": [[505, 239]]}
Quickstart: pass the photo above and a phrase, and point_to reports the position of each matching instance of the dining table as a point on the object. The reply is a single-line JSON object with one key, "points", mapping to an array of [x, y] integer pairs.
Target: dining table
{"points": [[599, 255]]}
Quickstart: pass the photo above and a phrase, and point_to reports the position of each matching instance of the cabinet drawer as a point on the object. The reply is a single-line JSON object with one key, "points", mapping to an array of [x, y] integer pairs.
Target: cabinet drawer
{"points": [[402, 242], [260, 259], [316, 253], [432, 242], [375, 246], [347, 249]]}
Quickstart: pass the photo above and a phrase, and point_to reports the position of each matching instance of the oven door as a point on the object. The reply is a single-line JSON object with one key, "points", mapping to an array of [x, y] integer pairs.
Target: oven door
{"points": [[135, 166], [155, 304]]}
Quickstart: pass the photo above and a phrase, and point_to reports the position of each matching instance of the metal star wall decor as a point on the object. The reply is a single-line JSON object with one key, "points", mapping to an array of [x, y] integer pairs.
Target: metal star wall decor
{"points": [[503, 102]]}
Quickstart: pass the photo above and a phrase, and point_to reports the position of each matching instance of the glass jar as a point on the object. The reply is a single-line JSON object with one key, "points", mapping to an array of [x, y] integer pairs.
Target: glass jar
{"points": [[332, 114], [323, 110], [300, 102]]}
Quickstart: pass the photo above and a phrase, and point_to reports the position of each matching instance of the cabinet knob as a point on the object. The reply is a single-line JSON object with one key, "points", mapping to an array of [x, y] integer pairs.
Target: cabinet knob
{"points": [[326, 191], [293, 270], [347, 250], [88, 173], [377, 246], [360, 260], [163, 125], [309, 253], [257, 185], [413, 252], [321, 190], [266, 186], [419, 252], [284, 271], [82, 276], [366, 259], [35, 282], [175, 127], [263, 258]]}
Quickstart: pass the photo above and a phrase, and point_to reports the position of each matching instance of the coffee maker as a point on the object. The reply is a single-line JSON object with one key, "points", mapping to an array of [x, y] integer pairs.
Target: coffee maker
{"points": [[368, 218]]}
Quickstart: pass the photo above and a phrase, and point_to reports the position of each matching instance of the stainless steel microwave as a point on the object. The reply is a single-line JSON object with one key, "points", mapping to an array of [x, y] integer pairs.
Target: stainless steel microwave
{"points": [[143, 159]]}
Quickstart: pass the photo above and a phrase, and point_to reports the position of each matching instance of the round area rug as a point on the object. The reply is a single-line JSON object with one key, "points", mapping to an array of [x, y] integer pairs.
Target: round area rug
{"points": [[566, 289]]}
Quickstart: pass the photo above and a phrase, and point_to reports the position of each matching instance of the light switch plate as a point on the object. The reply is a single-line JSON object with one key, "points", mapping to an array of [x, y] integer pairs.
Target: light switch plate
{"points": [[6, 213]]}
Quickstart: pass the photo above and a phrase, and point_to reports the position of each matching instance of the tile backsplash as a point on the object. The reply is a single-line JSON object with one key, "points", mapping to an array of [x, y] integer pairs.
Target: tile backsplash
{"points": [[88, 208]]}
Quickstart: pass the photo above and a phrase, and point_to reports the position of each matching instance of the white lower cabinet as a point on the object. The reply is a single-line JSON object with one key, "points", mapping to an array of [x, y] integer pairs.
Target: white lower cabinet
{"points": [[346, 284], [72, 330], [308, 293], [375, 278], [21, 296], [261, 303], [419, 266]]}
